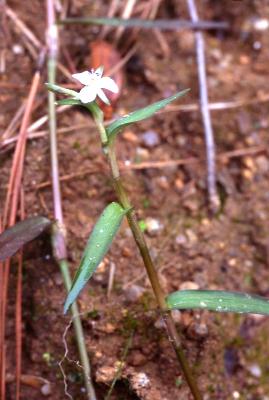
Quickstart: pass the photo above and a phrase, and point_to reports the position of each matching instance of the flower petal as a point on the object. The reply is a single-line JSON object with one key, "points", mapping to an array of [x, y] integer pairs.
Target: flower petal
{"points": [[83, 77], [99, 71], [87, 94], [109, 84], [102, 96]]}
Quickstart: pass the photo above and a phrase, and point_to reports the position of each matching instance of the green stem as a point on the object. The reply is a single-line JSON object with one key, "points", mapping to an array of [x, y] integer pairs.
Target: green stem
{"points": [[109, 150], [155, 283]]}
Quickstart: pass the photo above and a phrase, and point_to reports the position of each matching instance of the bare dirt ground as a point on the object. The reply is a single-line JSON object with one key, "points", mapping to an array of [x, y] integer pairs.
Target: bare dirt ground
{"points": [[229, 251]]}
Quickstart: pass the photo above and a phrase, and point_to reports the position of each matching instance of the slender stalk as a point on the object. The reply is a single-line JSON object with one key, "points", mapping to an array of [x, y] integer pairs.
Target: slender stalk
{"points": [[58, 237], [120, 368], [109, 150], [155, 283], [204, 106]]}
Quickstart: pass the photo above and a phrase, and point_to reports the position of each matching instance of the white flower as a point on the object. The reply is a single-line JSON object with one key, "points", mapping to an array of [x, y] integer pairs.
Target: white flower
{"points": [[94, 85]]}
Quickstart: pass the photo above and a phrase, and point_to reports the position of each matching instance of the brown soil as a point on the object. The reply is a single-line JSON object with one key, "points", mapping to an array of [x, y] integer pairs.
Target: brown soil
{"points": [[229, 251]]}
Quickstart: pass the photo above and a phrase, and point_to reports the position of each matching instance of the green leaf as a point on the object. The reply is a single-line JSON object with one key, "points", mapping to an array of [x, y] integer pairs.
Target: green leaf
{"points": [[69, 102], [218, 300], [98, 244], [59, 89], [12, 239], [141, 114], [162, 24]]}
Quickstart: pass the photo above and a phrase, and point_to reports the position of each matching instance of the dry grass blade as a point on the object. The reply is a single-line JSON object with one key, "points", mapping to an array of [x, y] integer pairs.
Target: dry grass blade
{"points": [[19, 310], [111, 12], [214, 201], [129, 6], [16, 169], [23, 28], [11, 205], [13, 123]]}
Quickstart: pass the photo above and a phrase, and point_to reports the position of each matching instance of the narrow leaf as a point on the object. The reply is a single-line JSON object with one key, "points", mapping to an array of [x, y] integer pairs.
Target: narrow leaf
{"points": [[218, 300], [59, 89], [141, 114], [98, 244], [162, 24], [69, 102], [12, 239]]}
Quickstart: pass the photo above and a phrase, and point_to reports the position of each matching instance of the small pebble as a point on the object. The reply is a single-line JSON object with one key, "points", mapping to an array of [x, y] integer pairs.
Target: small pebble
{"points": [[134, 293], [108, 328], [46, 389], [17, 49], [126, 252], [244, 59], [105, 374], [181, 140], [181, 239], [262, 164], [232, 262], [151, 139], [198, 330], [140, 380], [137, 358], [142, 154], [188, 285], [176, 315], [159, 324], [236, 395], [130, 137], [255, 370], [153, 226], [247, 174], [162, 182], [192, 237], [58, 279], [261, 24], [179, 184]]}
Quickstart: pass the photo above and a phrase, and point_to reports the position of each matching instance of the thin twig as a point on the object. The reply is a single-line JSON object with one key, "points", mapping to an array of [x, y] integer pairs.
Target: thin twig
{"points": [[4, 36], [249, 151], [41, 134], [112, 269], [125, 15], [19, 153], [121, 365], [22, 27], [16, 120], [219, 106], [42, 120], [111, 12], [208, 131], [11, 205], [19, 309], [13, 123]]}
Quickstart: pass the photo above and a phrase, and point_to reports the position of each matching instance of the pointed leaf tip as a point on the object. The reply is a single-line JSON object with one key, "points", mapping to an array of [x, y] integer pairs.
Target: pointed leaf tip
{"points": [[97, 246], [141, 114], [218, 300]]}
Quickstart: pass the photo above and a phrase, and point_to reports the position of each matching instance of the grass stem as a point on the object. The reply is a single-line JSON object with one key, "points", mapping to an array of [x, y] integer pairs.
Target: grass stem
{"points": [[58, 239]]}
